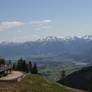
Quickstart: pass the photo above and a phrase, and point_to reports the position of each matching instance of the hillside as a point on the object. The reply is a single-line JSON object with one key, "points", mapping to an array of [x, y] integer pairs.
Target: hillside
{"points": [[81, 79], [36, 83]]}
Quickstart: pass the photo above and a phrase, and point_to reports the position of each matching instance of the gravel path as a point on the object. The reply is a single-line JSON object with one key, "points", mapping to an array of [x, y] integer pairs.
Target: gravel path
{"points": [[12, 76]]}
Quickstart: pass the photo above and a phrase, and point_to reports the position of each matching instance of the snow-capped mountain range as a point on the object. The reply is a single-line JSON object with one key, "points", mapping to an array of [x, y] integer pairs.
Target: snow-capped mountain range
{"points": [[77, 45], [54, 38]]}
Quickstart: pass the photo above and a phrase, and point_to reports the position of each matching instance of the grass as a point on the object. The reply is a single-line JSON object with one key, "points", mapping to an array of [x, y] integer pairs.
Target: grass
{"points": [[36, 83]]}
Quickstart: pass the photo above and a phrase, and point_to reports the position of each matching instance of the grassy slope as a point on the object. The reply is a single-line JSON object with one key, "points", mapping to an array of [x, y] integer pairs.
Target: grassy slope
{"points": [[81, 79], [40, 84]]}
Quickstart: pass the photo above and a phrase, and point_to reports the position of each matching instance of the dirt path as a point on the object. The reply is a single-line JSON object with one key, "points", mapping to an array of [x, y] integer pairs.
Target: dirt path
{"points": [[13, 75]]}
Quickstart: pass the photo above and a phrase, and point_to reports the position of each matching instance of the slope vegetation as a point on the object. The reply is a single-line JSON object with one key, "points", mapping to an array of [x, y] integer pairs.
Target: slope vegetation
{"points": [[37, 83], [81, 79]]}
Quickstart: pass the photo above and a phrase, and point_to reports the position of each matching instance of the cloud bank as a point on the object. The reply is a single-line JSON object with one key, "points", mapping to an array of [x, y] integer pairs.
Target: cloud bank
{"points": [[10, 24], [41, 25]]}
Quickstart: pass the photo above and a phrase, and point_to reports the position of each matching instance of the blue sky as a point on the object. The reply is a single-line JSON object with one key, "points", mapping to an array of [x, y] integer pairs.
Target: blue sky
{"points": [[25, 20]]}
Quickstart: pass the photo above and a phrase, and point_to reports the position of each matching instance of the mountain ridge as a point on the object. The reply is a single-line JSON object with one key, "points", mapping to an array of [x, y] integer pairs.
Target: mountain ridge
{"points": [[72, 47], [49, 38]]}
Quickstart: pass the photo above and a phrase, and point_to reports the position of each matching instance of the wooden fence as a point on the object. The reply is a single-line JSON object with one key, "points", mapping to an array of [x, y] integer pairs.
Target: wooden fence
{"points": [[5, 67]]}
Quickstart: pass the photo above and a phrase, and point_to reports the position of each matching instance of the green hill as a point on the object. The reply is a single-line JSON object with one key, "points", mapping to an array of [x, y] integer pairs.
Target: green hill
{"points": [[37, 83], [81, 79]]}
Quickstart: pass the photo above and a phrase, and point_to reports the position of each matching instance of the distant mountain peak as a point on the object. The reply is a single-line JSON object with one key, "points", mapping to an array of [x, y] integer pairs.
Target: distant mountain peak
{"points": [[53, 38], [58, 38]]}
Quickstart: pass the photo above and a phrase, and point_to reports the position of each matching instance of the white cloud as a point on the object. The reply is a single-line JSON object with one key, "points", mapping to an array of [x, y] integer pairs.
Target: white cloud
{"points": [[10, 24], [38, 24], [41, 22], [47, 21], [41, 25]]}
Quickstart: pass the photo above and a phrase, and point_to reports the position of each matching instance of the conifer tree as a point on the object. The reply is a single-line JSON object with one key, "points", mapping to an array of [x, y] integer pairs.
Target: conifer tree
{"points": [[14, 67], [24, 66], [35, 69], [21, 66], [30, 67], [63, 77], [2, 61]]}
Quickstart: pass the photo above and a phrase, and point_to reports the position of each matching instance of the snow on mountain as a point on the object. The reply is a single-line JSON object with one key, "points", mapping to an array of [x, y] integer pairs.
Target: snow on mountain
{"points": [[48, 45], [58, 38], [53, 38]]}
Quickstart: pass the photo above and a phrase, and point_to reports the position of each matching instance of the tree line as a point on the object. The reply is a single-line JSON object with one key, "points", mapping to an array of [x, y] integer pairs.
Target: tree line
{"points": [[23, 66]]}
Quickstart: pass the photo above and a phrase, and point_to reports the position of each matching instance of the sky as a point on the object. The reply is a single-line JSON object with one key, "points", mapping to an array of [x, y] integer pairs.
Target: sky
{"points": [[26, 20]]}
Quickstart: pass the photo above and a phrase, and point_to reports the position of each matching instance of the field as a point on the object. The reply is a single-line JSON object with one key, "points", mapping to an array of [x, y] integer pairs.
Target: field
{"points": [[52, 69]]}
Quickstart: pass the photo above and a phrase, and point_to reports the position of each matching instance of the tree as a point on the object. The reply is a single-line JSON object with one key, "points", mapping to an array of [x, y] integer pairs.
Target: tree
{"points": [[21, 66], [2, 61], [35, 69], [63, 77], [24, 66], [14, 66], [30, 67]]}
